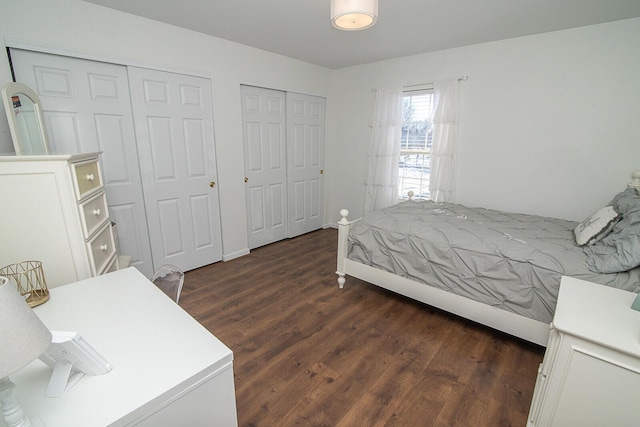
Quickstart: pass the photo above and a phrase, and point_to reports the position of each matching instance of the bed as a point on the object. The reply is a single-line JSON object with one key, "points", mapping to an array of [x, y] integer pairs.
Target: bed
{"points": [[499, 269]]}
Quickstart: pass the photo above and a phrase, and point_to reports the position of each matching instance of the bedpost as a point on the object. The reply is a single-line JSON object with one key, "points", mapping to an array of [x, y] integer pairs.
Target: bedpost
{"points": [[343, 237], [635, 180]]}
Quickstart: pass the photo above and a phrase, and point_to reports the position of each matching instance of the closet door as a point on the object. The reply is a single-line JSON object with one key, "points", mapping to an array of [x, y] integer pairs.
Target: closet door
{"points": [[87, 108], [174, 130], [284, 161], [305, 162], [263, 124]]}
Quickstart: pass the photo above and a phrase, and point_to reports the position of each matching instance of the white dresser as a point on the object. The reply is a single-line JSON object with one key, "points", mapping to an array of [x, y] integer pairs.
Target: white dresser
{"points": [[168, 370], [590, 375], [53, 209]]}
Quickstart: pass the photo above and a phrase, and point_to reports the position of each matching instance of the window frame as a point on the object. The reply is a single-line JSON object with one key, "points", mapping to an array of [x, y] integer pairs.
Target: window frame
{"points": [[419, 179]]}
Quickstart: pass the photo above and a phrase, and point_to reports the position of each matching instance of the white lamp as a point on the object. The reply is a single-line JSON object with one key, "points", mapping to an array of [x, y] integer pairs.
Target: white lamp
{"points": [[352, 15], [23, 337]]}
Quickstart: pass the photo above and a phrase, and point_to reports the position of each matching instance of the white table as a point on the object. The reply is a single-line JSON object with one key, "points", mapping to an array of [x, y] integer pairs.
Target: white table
{"points": [[168, 370]]}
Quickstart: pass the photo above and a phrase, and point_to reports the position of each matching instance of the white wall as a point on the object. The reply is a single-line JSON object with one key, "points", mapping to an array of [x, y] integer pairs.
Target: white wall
{"points": [[549, 124], [87, 30]]}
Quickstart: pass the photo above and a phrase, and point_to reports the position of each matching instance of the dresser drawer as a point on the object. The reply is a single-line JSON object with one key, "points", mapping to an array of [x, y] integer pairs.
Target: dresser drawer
{"points": [[87, 178], [101, 249], [94, 213], [111, 266]]}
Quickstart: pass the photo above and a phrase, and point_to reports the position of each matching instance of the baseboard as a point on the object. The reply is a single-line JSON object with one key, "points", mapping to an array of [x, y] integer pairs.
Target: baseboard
{"points": [[233, 255]]}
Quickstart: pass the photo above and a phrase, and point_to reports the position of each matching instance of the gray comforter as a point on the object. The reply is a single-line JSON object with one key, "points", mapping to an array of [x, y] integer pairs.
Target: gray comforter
{"points": [[510, 261]]}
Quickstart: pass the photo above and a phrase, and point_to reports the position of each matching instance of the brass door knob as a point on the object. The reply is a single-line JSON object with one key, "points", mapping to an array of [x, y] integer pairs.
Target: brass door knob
{"points": [[212, 184], [246, 179]]}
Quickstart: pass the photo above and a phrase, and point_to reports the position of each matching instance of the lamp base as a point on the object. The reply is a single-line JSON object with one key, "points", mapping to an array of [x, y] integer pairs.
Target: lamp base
{"points": [[11, 409]]}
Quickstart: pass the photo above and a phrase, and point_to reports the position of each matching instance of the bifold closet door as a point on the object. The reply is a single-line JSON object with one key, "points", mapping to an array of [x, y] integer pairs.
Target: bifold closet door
{"points": [[86, 109], [305, 162], [174, 129], [284, 159], [265, 164]]}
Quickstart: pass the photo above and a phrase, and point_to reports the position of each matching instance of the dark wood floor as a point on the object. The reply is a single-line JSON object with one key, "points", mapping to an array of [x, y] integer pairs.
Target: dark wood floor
{"points": [[308, 353]]}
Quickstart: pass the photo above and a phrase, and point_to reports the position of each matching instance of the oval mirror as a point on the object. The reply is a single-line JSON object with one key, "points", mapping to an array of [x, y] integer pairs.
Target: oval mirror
{"points": [[26, 122]]}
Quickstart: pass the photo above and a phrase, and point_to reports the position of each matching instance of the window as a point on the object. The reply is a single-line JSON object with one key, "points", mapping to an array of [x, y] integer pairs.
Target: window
{"points": [[415, 146]]}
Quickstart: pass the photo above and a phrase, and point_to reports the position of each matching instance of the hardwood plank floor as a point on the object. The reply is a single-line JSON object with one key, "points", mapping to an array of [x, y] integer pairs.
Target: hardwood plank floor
{"points": [[308, 353]]}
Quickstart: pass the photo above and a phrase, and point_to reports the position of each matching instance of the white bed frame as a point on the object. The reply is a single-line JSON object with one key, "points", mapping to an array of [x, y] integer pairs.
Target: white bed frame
{"points": [[513, 324], [496, 318]]}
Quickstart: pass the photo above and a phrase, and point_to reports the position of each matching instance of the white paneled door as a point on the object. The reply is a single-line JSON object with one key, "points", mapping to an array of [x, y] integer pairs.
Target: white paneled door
{"points": [[284, 158], [174, 130], [305, 154], [265, 158], [87, 108]]}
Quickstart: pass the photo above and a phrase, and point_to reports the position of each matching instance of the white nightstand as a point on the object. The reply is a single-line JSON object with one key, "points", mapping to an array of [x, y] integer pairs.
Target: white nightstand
{"points": [[590, 375]]}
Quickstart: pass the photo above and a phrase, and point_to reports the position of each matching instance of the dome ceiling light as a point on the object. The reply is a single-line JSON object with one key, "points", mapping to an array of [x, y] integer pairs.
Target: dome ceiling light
{"points": [[352, 15]]}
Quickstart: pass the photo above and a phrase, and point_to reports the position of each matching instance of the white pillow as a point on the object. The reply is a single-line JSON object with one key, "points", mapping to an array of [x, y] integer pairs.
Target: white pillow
{"points": [[596, 226]]}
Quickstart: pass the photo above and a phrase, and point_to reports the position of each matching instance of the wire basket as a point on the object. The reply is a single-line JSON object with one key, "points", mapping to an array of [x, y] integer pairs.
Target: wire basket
{"points": [[29, 278]]}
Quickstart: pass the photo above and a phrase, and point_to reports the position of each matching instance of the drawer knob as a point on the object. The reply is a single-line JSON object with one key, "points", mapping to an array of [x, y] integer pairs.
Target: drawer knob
{"points": [[104, 247], [96, 212], [90, 177]]}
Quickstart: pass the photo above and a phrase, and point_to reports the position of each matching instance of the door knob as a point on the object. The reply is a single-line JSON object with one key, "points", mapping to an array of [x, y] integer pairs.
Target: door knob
{"points": [[246, 179], [321, 171], [212, 184]]}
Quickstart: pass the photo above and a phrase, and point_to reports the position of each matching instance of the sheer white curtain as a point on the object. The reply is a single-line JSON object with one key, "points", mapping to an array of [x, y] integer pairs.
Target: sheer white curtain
{"points": [[442, 178], [384, 150]]}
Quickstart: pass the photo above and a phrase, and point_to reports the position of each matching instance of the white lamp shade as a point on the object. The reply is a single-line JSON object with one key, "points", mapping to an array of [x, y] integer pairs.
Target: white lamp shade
{"points": [[23, 336], [354, 14]]}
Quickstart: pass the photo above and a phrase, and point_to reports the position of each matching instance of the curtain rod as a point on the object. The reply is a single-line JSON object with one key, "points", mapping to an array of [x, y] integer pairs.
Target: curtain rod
{"points": [[421, 86]]}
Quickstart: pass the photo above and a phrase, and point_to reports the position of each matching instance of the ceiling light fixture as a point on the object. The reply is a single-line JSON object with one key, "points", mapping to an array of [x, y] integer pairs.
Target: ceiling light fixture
{"points": [[352, 15]]}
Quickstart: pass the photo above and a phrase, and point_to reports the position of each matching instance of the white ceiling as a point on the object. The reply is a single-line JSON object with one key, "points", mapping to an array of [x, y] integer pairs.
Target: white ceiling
{"points": [[301, 29]]}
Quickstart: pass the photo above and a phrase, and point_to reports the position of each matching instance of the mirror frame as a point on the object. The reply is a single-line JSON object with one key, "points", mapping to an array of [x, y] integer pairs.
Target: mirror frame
{"points": [[8, 91]]}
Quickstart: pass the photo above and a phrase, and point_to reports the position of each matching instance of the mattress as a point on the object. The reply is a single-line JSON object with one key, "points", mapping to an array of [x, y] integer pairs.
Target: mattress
{"points": [[507, 260]]}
